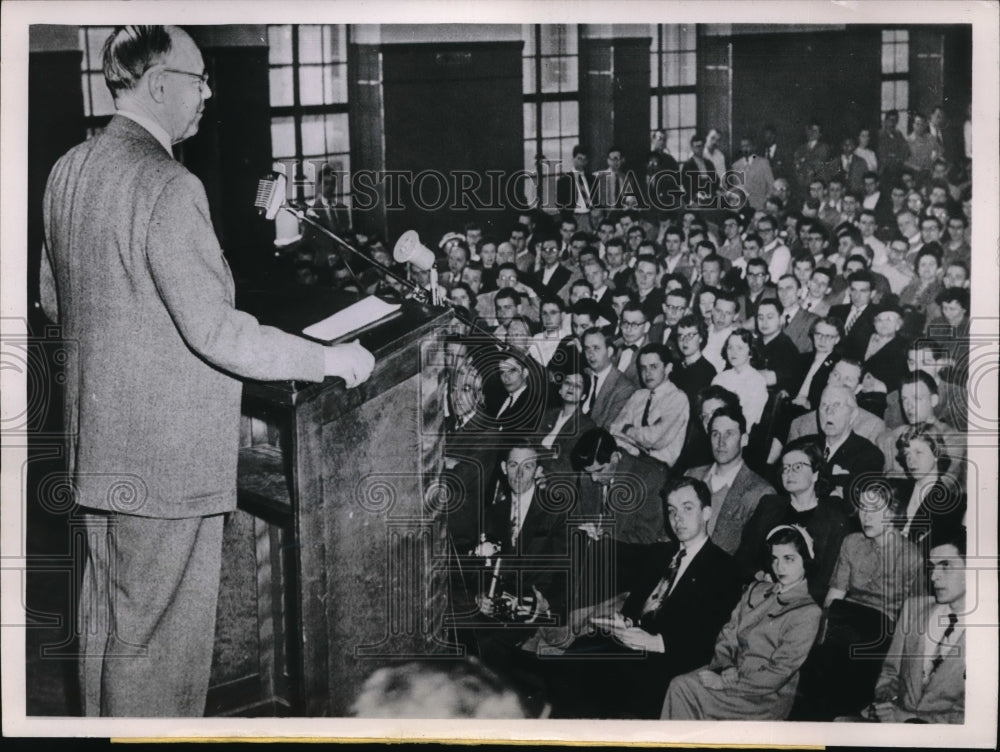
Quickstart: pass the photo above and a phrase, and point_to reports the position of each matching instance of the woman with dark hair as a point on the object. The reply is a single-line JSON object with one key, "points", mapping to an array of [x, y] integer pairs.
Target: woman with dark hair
{"points": [[925, 501], [826, 334], [922, 290], [462, 296], [805, 503], [563, 425], [755, 670], [741, 378]]}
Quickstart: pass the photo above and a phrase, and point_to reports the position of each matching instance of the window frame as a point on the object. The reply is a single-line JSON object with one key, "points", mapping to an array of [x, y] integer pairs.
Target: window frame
{"points": [[537, 99], [660, 90], [297, 112]]}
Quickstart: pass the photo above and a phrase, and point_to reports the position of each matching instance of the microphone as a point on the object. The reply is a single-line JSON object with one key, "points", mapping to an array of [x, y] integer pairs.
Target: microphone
{"points": [[409, 250], [270, 195], [270, 199]]}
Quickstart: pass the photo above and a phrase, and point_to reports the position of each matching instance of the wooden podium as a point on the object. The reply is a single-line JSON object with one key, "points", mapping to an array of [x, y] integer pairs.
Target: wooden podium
{"points": [[335, 562]]}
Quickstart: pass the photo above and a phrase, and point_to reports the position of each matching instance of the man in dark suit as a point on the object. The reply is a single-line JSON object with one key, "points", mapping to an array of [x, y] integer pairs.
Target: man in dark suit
{"points": [[666, 626], [810, 158], [134, 274], [519, 407], [774, 152], [698, 175], [848, 456], [849, 166], [759, 288], [648, 294], [734, 487], [858, 316], [595, 272], [781, 357], [521, 584], [553, 276]]}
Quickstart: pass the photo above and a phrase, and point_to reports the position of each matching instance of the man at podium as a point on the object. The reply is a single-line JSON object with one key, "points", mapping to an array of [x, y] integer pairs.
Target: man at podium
{"points": [[133, 272]]}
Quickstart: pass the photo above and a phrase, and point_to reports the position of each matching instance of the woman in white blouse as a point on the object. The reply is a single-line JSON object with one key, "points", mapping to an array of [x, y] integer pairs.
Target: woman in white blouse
{"points": [[741, 378]]}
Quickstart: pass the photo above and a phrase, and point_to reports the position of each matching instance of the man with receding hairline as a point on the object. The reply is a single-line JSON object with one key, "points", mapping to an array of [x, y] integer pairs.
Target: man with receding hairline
{"points": [[134, 274]]}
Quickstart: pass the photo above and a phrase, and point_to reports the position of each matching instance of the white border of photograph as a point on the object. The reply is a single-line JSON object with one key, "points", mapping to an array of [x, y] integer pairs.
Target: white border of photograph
{"points": [[981, 708]]}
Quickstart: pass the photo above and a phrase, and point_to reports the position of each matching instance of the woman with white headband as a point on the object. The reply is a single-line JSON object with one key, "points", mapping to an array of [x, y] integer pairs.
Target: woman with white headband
{"points": [[755, 670]]}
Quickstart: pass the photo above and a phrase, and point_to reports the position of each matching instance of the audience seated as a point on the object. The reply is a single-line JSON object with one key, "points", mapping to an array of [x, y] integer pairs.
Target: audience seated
{"points": [[832, 356]]}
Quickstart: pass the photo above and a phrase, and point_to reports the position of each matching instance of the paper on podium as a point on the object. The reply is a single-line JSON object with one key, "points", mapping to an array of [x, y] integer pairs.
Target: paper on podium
{"points": [[356, 316]]}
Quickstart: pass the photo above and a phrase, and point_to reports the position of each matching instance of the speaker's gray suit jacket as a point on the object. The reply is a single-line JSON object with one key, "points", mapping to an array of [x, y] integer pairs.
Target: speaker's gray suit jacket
{"points": [[134, 274]]}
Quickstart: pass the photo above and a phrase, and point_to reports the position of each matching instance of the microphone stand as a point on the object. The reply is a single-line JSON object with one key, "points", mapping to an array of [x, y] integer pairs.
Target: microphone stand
{"points": [[417, 293]]}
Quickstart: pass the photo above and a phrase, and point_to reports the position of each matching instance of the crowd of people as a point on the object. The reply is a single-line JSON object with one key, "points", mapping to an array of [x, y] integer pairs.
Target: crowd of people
{"points": [[703, 460]]}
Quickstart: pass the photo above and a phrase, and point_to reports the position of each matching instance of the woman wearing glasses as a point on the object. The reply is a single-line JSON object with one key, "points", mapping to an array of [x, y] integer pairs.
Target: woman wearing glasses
{"points": [[806, 503], [826, 335]]}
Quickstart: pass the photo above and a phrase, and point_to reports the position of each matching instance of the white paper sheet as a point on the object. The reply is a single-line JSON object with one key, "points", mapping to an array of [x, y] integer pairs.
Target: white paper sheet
{"points": [[356, 316]]}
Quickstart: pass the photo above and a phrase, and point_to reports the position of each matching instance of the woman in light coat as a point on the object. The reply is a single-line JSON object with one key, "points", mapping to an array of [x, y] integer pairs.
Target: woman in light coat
{"points": [[755, 670]]}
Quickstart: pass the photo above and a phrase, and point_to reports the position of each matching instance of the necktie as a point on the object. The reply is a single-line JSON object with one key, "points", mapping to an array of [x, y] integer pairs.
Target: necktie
{"points": [[592, 397], [515, 518], [662, 590], [939, 653], [645, 413], [852, 318], [788, 318], [826, 454], [506, 403]]}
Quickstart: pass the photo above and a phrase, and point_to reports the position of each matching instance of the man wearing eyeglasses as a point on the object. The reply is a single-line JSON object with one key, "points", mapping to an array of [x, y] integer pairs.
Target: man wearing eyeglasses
{"points": [[759, 288], [635, 328], [133, 273]]}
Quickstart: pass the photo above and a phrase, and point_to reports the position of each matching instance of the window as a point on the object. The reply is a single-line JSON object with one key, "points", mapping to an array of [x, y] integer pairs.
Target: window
{"points": [[98, 106], [308, 89], [896, 74], [673, 67], [551, 92]]}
